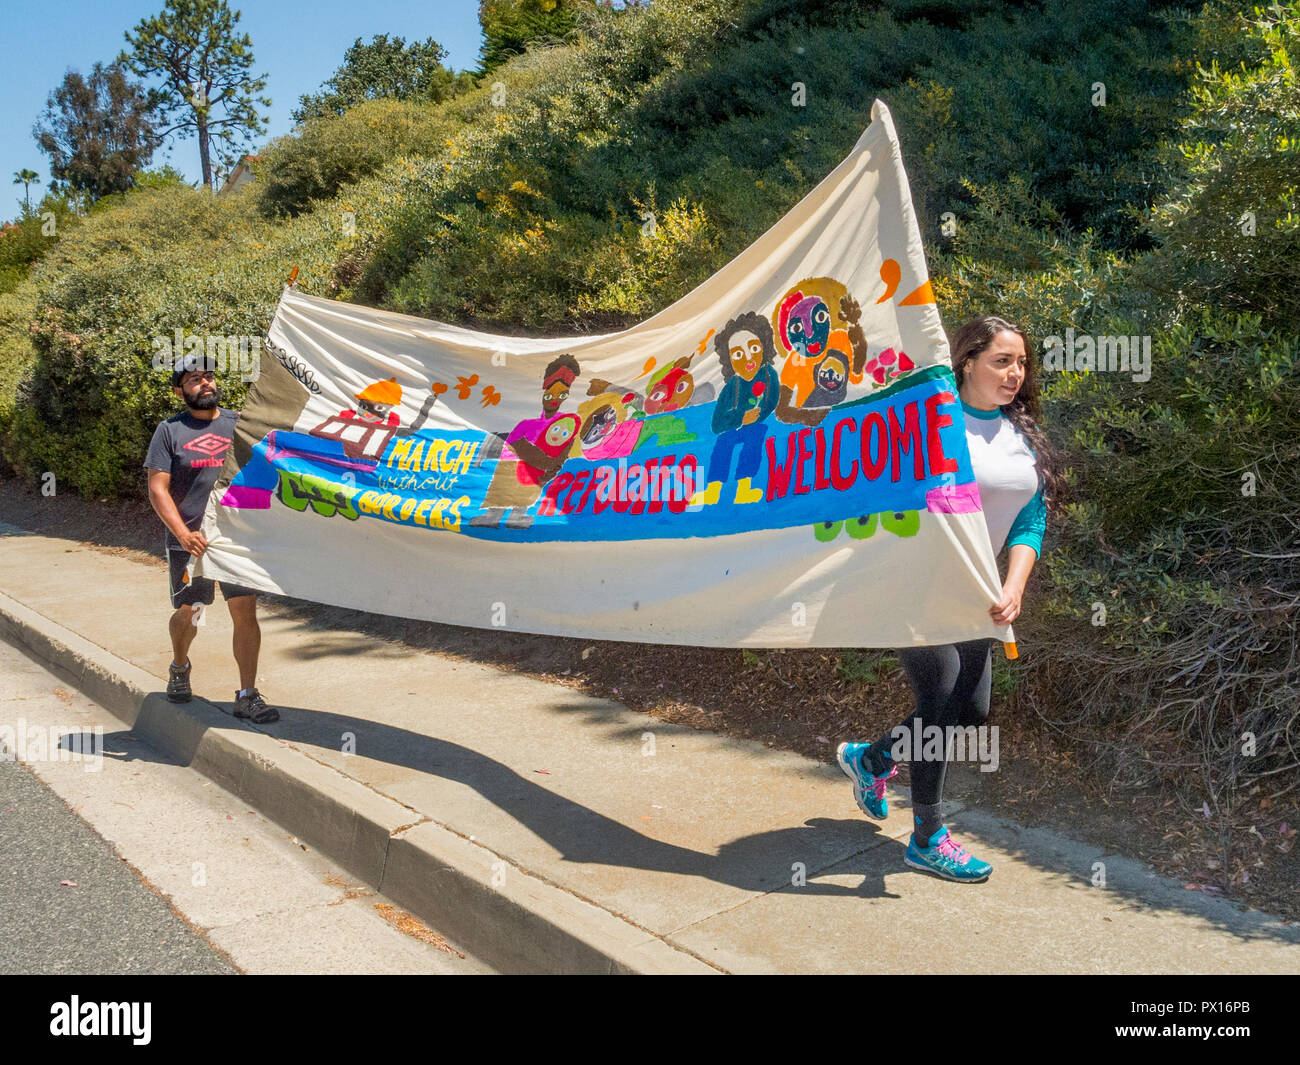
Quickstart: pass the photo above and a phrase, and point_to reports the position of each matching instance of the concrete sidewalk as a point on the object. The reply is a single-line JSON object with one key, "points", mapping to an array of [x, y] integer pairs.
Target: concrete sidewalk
{"points": [[549, 831]]}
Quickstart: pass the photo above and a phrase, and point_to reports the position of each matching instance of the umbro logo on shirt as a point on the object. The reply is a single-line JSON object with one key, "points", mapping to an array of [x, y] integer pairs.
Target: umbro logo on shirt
{"points": [[210, 444]]}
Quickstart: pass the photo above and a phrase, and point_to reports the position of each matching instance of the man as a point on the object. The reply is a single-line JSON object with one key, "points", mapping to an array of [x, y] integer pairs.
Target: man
{"points": [[184, 460]]}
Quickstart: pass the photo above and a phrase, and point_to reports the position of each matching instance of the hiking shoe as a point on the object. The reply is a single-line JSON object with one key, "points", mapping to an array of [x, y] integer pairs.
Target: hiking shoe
{"points": [[868, 789], [253, 707], [946, 858], [178, 682]]}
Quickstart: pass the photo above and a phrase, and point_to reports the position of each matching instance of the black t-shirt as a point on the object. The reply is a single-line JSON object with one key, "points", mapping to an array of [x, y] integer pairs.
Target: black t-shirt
{"points": [[192, 451]]}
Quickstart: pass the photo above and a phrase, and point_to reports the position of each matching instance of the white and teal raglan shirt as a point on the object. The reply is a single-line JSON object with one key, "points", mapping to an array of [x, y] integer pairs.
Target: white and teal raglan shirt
{"points": [[1006, 472]]}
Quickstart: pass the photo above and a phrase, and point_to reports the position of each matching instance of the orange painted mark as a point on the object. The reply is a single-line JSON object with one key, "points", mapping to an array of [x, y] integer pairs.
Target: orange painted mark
{"points": [[922, 296], [890, 273]]}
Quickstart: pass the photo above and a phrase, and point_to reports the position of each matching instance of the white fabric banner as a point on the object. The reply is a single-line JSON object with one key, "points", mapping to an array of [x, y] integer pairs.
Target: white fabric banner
{"points": [[778, 459]]}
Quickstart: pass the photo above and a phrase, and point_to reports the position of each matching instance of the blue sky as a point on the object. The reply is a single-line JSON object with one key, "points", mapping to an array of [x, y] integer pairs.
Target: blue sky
{"points": [[297, 45]]}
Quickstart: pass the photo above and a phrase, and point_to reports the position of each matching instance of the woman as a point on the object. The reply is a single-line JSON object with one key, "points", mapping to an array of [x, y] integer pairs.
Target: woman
{"points": [[1016, 472]]}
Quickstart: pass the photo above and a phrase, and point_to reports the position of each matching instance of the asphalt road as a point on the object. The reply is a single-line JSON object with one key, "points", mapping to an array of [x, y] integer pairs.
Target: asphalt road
{"points": [[70, 904]]}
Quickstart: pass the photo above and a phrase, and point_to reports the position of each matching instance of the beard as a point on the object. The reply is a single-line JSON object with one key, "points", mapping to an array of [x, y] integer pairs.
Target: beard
{"points": [[204, 401]]}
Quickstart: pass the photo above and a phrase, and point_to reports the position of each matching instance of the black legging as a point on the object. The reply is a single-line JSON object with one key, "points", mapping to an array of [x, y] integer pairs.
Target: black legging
{"points": [[951, 683]]}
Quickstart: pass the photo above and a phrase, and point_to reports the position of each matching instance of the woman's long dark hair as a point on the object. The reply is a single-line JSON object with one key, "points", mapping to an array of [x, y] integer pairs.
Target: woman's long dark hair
{"points": [[1023, 411]]}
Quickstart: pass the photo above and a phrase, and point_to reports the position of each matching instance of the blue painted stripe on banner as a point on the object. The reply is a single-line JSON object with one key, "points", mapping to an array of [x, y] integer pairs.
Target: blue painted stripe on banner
{"points": [[882, 453]]}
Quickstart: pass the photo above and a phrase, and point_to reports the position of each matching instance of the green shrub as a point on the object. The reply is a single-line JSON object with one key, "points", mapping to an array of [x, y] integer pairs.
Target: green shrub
{"points": [[25, 241], [331, 151], [1165, 642], [1182, 532], [1014, 256], [510, 26], [78, 339], [692, 103], [1231, 231]]}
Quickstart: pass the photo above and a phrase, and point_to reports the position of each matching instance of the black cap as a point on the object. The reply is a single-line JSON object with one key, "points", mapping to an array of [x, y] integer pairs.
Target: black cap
{"points": [[194, 361]]}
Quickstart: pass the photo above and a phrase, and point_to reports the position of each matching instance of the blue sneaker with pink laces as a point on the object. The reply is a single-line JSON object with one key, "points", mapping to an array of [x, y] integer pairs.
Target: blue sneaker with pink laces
{"points": [[945, 857], [868, 789]]}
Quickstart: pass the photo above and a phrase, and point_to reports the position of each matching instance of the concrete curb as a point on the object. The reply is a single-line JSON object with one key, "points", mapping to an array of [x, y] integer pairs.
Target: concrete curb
{"points": [[512, 920]]}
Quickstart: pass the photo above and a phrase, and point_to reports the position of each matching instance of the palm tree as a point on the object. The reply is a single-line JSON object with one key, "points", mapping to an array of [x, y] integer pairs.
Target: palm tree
{"points": [[26, 178]]}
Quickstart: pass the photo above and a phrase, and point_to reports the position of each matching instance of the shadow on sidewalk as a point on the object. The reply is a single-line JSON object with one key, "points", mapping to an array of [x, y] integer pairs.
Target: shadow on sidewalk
{"points": [[762, 862], [759, 863]]}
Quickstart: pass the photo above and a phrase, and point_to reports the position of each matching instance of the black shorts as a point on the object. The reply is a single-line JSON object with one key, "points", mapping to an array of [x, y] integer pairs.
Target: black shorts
{"points": [[186, 592]]}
